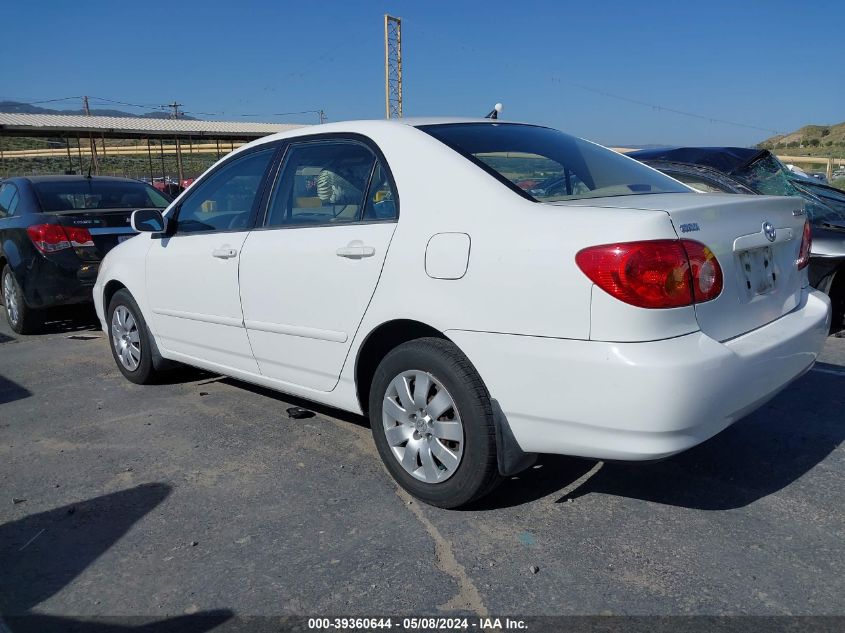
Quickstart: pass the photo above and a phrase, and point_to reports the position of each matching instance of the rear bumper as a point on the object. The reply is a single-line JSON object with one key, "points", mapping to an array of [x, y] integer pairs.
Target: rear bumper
{"points": [[641, 401], [48, 283]]}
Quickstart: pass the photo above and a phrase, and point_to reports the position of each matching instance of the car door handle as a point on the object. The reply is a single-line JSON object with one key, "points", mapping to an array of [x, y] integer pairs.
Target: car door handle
{"points": [[224, 253], [355, 250]]}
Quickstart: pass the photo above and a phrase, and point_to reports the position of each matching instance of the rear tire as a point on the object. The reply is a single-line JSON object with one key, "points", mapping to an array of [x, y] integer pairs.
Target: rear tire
{"points": [[130, 339], [22, 319], [432, 422]]}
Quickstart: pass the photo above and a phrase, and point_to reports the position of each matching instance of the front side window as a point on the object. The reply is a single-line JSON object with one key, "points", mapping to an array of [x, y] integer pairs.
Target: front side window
{"points": [[225, 200], [546, 165], [321, 183]]}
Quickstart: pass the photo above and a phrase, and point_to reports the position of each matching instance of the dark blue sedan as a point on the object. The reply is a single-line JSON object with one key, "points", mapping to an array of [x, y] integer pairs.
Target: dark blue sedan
{"points": [[54, 231]]}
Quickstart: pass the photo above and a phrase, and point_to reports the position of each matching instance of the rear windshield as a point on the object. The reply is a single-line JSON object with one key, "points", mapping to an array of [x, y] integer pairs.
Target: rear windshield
{"points": [[69, 195], [545, 165]]}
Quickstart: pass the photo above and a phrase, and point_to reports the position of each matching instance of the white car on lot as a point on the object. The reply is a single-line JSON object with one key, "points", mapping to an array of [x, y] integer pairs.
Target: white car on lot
{"points": [[484, 291]]}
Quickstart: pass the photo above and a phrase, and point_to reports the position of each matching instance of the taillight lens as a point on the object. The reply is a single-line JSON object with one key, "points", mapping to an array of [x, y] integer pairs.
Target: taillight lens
{"points": [[806, 244], [49, 238], [79, 236], [705, 270], [654, 273]]}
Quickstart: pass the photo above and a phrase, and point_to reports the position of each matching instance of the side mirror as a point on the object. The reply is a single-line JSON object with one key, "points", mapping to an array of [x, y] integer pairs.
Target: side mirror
{"points": [[148, 221]]}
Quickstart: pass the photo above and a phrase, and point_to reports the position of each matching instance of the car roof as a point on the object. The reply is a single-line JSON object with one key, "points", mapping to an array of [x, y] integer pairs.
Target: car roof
{"points": [[372, 127], [71, 178], [726, 159], [366, 126]]}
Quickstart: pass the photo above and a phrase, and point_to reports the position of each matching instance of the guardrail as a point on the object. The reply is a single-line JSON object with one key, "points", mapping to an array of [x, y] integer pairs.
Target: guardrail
{"points": [[829, 163]]}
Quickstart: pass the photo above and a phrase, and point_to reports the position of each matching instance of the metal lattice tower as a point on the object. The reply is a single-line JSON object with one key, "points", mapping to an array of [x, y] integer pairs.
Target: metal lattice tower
{"points": [[393, 66]]}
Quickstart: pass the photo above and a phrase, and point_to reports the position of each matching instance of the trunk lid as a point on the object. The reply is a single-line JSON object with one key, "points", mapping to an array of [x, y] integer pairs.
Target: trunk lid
{"points": [[761, 278], [108, 227]]}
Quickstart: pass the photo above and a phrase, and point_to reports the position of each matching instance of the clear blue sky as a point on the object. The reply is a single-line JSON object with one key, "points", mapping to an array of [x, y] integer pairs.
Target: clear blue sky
{"points": [[770, 64]]}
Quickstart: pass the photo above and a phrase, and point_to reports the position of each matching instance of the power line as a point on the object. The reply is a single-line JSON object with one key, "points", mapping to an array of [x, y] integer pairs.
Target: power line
{"points": [[131, 105], [30, 102], [672, 110], [164, 108]]}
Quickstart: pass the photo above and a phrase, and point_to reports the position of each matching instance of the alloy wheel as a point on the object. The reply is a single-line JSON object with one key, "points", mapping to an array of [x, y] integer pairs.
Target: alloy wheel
{"points": [[10, 298], [125, 338], [423, 426]]}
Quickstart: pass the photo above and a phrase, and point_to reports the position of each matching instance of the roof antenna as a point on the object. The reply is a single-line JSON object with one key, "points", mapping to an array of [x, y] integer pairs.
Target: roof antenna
{"points": [[494, 113]]}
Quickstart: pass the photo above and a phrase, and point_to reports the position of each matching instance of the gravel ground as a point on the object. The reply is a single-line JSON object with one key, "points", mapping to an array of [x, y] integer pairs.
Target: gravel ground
{"points": [[201, 496]]}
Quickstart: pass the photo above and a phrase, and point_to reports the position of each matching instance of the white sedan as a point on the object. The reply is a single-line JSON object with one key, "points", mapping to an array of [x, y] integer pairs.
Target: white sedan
{"points": [[532, 293]]}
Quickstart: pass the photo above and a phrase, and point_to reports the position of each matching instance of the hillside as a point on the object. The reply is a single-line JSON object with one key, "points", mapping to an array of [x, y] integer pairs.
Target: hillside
{"points": [[26, 108], [813, 140]]}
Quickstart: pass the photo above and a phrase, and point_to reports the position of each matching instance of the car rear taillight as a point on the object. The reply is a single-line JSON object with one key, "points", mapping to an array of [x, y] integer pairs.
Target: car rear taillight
{"points": [[806, 244], [49, 238], [654, 273], [79, 237], [705, 270]]}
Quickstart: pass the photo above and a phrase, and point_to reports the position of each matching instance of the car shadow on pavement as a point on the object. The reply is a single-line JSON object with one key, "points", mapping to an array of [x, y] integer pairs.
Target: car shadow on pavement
{"points": [[11, 391], [287, 401], [42, 553], [66, 319], [550, 475]]}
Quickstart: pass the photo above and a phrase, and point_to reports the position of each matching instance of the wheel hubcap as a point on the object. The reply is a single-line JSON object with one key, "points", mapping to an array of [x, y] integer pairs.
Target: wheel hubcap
{"points": [[423, 426], [125, 338], [10, 298]]}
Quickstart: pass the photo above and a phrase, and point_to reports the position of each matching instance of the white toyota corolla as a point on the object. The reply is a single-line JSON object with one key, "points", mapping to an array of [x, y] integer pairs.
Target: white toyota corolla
{"points": [[485, 291]]}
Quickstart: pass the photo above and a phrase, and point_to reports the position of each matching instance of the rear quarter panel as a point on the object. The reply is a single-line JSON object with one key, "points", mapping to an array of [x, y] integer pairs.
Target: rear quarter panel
{"points": [[521, 277]]}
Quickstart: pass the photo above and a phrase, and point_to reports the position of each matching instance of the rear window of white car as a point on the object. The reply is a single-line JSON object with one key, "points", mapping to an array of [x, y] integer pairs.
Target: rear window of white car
{"points": [[546, 165]]}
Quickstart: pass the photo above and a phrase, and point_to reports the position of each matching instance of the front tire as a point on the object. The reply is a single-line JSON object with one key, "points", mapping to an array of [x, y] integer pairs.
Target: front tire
{"points": [[432, 422], [22, 319], [130, 339]]}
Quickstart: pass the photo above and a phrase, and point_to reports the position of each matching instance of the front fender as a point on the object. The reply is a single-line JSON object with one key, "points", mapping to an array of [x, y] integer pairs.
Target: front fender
{"points": [[126, 265]]}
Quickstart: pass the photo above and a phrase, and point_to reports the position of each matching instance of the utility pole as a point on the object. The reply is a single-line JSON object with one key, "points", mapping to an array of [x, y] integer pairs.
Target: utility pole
{"points": [[95, 164], [393, 66], [176, 107], [322, 117]]}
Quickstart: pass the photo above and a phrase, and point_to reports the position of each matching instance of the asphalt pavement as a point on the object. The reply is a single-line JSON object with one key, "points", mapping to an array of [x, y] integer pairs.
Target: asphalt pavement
{"points": [[202, 496]]}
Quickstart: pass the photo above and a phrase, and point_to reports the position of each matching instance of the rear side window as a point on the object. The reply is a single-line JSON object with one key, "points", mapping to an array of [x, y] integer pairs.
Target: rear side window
{"points": [[325, 183], [546, 165], [8, 199], [381, 201], [70, 195]]}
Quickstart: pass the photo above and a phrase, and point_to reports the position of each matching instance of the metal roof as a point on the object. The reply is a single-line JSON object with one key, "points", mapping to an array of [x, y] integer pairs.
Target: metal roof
{"points": [[14, 124]]}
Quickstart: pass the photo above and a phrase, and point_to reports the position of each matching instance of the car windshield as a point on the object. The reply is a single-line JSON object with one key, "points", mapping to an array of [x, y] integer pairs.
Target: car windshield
{"points": [[70, 195], [833, 198], [546, 165], [771, 177]]}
